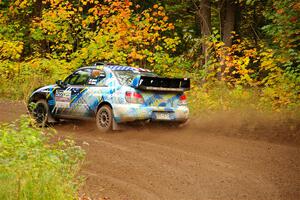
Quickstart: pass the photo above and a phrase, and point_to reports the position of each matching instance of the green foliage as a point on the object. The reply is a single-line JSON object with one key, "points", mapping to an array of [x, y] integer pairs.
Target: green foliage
{"points": [[244, 69], [284, 32], [127, 37], [32, 167], [217, 96], [59, 36], [18, 79]]}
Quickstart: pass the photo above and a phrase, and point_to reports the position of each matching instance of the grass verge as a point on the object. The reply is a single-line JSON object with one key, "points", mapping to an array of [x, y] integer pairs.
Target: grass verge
{"points": [[32, 167]]}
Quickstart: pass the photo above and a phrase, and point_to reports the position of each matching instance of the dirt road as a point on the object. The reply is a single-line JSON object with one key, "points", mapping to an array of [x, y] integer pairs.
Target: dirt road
{"points": [[160, 163]]}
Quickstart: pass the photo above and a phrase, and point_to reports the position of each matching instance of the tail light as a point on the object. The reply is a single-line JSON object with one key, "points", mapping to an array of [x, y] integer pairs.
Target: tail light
{"points": [[134, 97], [182, 99]]}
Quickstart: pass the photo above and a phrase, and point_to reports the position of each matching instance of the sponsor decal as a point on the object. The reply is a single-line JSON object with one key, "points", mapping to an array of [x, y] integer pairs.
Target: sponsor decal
{"points": [[63, 98]]}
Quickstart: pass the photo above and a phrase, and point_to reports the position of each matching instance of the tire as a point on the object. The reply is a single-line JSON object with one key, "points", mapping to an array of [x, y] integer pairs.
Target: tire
{"points": [[41, 113], [104, 119]]}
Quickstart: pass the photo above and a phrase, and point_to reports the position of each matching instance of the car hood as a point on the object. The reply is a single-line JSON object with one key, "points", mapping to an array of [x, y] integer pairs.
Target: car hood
{"points": [[47, 88]]}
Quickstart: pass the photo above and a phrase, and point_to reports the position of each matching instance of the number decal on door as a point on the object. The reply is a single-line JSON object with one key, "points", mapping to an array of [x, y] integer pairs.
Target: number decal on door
{"points": [[63, 98]]}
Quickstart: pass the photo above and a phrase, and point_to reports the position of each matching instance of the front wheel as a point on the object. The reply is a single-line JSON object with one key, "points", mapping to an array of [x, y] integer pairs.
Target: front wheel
{"points": [[41, 113], [104, 119]]}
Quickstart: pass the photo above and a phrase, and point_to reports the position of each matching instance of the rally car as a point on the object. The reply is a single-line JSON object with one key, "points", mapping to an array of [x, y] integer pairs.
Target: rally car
{"points": [[112, 95]]}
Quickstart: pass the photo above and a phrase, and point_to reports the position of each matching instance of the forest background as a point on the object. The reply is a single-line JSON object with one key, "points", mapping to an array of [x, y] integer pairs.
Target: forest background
{"points": [[238, 53]]}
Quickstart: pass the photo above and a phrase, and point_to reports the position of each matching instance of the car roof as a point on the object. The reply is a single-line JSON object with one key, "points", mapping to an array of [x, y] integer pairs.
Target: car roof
{"points": [[116, 68]]}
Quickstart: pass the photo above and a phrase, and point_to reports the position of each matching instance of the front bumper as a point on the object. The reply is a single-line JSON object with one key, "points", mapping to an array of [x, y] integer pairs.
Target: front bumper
{"points": [[136, 112]]}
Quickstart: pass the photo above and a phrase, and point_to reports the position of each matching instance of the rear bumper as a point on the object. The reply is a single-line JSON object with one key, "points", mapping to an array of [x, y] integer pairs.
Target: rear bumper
{"points": [[135, 112]]}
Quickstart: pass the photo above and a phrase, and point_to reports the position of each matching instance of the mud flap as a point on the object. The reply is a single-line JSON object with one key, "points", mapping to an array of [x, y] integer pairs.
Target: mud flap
{"points": [[117, 126], [51, 119]]}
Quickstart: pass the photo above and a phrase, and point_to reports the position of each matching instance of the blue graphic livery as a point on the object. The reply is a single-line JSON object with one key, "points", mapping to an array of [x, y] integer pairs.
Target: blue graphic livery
{"points": [[112, 95]]}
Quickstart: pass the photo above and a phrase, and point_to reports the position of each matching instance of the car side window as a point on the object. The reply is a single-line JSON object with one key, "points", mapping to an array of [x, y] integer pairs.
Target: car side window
{"points": [[73, 79], [83, 77], [79, 77]]}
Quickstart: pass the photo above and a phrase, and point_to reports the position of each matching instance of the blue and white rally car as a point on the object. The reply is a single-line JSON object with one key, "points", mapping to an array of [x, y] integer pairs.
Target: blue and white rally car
{"points": [[112, 95]]}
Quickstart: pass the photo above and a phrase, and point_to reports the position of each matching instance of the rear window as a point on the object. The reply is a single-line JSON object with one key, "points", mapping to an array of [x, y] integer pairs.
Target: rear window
{"points": [[126, 77]]}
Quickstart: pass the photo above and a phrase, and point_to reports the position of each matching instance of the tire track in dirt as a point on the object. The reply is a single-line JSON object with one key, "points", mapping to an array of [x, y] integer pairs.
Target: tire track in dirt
{"points": [[187, 171], [201, 173]]}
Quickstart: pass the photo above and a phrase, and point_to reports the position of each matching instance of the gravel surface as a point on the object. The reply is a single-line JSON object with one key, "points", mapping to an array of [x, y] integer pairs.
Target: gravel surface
{"points": [[191, 163]]}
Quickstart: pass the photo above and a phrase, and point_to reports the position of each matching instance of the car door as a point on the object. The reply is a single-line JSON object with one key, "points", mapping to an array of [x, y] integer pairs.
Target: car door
{"points": [[95, 92], [69, 101]]}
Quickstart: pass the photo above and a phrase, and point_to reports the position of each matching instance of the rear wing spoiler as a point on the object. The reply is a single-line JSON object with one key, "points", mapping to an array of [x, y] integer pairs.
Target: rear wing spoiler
{"points": [[161, 84]]}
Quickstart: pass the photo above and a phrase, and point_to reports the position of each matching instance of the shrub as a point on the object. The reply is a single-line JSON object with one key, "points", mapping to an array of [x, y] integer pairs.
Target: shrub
{"points": [[19, 79], [32, 167], [217, 96]]}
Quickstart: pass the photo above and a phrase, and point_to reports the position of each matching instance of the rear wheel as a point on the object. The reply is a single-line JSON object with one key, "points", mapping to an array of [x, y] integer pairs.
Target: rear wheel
{"points": [[104, 119], [41, 112]]}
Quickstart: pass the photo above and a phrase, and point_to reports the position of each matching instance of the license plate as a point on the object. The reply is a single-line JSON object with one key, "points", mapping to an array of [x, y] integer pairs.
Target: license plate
{"points": [[162, 116]]}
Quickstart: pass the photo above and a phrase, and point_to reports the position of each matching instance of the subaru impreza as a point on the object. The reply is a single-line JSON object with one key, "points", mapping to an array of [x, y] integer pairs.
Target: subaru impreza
{"points": [[112, 95]]}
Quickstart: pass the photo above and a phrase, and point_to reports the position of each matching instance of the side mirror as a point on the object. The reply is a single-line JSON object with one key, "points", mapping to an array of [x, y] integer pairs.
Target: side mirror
{"points": [[60, 83]]}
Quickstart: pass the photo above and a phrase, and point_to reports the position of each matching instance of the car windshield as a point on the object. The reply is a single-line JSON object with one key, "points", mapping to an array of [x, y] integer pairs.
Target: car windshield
{"points": [[125, 76]]}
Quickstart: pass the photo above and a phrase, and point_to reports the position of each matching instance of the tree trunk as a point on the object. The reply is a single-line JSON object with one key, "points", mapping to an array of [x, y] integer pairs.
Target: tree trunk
{"points": [[37, 8], [40, 46], [204, 16], [229, 22], [221, 7], [204, 13]]}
